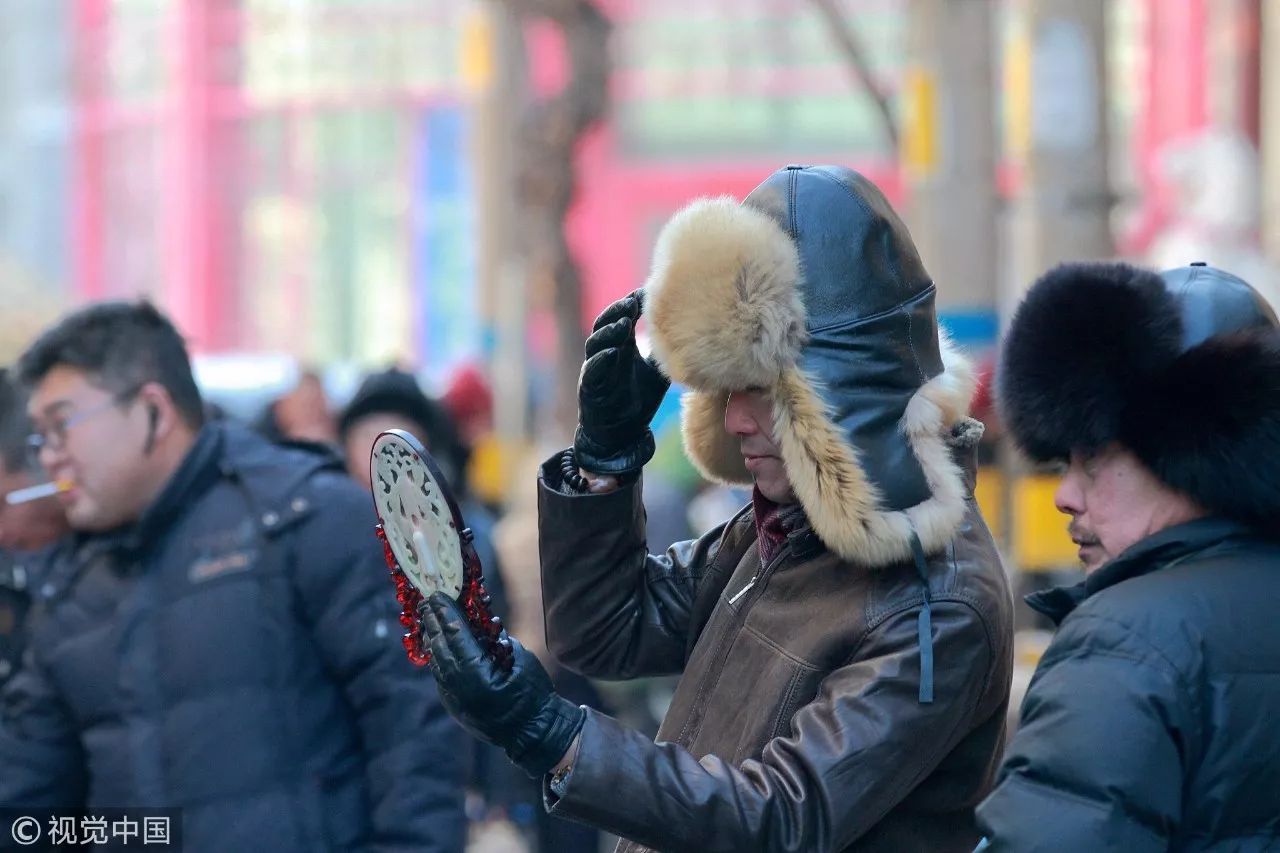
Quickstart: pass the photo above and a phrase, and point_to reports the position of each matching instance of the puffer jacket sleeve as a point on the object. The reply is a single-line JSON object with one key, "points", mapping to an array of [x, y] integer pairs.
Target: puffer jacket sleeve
{"points": [[1095, 764], [852, 754], [414, 752], [613, 610], [41, 760]]}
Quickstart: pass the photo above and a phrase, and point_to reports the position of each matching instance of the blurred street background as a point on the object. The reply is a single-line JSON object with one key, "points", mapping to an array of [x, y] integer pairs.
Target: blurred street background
{"points": [[318, 189]]}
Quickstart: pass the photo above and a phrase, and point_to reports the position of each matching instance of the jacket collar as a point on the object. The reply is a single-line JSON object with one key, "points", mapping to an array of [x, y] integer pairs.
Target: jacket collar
{"points": [[779, 524], [1157, 551]]}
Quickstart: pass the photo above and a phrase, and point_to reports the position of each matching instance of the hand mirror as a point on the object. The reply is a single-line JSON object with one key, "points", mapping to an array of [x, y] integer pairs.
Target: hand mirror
{"points": [[427, 547]]}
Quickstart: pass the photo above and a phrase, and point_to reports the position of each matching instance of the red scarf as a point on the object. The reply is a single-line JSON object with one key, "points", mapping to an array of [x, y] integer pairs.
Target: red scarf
{"points": [[770, 529]]}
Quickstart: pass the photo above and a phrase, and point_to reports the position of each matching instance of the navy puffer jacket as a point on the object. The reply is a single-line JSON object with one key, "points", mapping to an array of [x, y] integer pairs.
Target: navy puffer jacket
{"points": [[1150, 722], [235, 655]]}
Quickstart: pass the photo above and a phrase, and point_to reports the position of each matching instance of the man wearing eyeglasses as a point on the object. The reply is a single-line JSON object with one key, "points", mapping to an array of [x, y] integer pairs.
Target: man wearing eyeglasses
{"points": [[31, 524], [26, 527], [218, 636]]}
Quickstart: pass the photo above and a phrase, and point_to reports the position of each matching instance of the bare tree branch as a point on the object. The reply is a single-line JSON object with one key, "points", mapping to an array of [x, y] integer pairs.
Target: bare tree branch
{"points": [[859, 65], [546, 179]]}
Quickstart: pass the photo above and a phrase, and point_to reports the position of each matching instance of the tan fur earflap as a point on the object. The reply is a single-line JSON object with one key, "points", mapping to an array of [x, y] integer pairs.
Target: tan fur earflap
{"points": [[711, 450], [823, 467], [722, 298], [950, 392], [831, 484]]}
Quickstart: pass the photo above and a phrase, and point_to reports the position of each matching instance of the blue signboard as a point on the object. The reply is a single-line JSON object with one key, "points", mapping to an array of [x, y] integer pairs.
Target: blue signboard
{"points": [[444, 245]]}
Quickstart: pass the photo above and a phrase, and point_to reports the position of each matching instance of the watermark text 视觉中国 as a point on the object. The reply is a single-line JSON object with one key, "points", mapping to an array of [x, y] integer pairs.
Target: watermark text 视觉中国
{"points": [[114, 828]]}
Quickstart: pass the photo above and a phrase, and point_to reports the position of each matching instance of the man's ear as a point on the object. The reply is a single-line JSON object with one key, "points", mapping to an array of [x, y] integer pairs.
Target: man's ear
{"points": [[162, 416], [153, 418]]}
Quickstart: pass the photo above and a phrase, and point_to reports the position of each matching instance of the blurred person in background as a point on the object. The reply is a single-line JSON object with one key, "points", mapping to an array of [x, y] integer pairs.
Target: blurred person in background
{"points": [[1147, 724], [31, 525], [302, 415], [393, 399], [25, 529], [469, 400], [218, 636], [844, 641]]}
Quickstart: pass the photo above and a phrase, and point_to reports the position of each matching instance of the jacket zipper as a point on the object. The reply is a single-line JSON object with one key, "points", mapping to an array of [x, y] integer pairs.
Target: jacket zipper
{"points": [[757, 582], [744, 590]]}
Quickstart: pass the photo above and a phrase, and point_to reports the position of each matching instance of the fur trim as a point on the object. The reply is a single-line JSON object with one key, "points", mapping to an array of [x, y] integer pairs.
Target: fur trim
{"points": [[1209, 425], [711, 450], [951, 392], [823, 467], [1080, 345], [723, 297], [842, 504], [725, 313]]}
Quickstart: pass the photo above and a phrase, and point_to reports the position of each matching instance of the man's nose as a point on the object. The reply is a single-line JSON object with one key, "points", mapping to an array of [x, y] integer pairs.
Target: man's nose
{"points": [[1068, 498], [737, 420], [52, 459]]}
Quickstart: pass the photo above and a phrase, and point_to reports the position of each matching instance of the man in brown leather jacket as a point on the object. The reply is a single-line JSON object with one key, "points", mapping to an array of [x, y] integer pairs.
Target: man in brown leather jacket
{"points": [[845, 640]]}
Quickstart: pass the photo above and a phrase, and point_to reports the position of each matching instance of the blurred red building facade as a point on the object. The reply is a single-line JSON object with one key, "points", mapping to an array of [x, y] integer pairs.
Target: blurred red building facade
{"points": [[294, 176]]}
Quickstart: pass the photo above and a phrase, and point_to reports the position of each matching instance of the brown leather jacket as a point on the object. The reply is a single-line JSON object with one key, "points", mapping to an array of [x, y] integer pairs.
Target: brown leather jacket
{"points": [[797, 724]]}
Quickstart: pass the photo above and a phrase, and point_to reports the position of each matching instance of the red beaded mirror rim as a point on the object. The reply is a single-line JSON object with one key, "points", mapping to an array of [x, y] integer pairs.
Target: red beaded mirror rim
{"points": [[474, 599]]}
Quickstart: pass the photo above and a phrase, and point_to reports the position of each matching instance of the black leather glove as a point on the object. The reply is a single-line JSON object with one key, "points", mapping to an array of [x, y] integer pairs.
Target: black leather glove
{"points": [[618, 393], [517, 711]]}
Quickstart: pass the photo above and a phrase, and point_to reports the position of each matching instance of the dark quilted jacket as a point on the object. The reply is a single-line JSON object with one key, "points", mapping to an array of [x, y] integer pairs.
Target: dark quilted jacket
{"points": [[235, 655]]}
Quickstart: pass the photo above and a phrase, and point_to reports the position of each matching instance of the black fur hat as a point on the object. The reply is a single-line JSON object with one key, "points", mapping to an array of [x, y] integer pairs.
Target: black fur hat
{"points": [[1183, 368]]}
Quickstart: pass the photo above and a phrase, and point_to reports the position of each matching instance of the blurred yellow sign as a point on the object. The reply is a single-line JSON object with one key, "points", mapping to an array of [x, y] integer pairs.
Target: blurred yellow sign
{"points": [[920, 123], [989, 493], [1017, 88], [1038, 539], [489, 469], [476, 55]]}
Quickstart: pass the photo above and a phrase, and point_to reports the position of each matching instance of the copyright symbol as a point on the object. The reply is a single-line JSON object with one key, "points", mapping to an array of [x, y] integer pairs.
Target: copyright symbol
{"points": [[25, 831]]}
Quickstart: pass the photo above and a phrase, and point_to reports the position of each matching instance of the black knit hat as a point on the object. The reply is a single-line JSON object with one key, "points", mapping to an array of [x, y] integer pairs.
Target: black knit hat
{"points": [[394, 391]]}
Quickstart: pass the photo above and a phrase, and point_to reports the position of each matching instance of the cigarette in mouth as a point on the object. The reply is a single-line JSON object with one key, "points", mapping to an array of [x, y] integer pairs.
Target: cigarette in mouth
{"points": [[35, 493]]}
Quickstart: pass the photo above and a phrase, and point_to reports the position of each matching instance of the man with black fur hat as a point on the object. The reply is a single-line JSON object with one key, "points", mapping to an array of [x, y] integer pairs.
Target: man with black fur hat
{"points": [[1146, 726], [845, 640]]}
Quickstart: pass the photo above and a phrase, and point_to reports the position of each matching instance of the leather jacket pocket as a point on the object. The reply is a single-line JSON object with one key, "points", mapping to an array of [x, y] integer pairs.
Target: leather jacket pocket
{"points": [[759, 692]]}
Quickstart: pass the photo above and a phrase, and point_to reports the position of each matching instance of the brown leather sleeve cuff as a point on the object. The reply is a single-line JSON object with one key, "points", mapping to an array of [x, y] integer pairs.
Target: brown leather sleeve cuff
{"points": [[581, 794], [558, 501], [612, 787]]}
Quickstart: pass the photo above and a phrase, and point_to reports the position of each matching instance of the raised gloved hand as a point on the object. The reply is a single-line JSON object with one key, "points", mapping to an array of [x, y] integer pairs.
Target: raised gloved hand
{"points": [[517, 711], [618, 393]]}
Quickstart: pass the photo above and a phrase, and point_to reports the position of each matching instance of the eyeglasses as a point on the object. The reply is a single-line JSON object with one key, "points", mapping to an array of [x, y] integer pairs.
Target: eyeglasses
{"points": [[54, 437]]}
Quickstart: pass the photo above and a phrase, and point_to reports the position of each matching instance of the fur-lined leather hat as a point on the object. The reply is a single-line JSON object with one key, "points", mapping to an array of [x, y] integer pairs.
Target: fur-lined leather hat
{"points": [[1182, 368], [812, 289]]}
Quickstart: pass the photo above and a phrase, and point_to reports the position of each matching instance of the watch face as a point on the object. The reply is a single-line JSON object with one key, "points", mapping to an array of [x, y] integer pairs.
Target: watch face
{"points": [[417, 515]]}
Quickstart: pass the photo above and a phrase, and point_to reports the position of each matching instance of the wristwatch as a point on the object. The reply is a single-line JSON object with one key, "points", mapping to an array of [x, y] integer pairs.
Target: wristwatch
{"points": [[560, 780]]}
